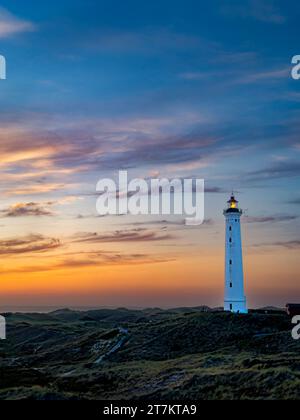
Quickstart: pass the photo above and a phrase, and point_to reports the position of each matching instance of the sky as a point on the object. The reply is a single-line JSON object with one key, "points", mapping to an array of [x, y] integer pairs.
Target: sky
{"points": [[161, 89]]}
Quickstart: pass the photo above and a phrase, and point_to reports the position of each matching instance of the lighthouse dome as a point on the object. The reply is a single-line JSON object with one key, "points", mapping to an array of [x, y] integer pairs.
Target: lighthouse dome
{"points": [[232, 206]]}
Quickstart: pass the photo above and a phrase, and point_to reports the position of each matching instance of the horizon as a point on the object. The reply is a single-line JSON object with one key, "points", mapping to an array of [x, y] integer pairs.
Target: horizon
{"points": [[161, 91], [51, 309]]}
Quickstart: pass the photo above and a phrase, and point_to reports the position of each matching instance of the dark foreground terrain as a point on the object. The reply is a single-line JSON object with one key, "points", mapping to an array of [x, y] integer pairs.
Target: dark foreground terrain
{"points": [[150, 354]]}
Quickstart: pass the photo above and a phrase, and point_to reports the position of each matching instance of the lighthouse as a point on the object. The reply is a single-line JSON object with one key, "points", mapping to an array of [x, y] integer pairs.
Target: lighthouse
{"points": [[235, 299]]}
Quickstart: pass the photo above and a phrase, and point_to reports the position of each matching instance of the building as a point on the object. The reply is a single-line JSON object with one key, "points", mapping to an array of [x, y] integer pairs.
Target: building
{"points": [[234, 300]]}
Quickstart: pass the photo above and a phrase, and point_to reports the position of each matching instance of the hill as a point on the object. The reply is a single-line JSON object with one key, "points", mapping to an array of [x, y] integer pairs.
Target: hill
{"points": [[143, 354]]}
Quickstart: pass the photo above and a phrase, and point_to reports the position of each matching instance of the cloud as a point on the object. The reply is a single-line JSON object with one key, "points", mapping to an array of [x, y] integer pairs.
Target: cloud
{"points": [[33, 143], [41, 156], [41, 148], [104, 259], [11, 25], [289, 244], [198, 75], [276, 170], [148, 41], [47, 153], [34, 189], [294, 201], [236, 57], [135, 235], [142, 150], [240, 76], [293, 244], [166, 222], [37, 209], [26, 209], [215, 190], [270, 219], [88, 259], [261, 10], [28, 244], [52, 157], [263, 76]]}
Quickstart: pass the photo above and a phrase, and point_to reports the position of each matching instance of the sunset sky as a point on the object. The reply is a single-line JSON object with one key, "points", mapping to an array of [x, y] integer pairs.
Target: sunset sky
{"points": [[165, 88]]}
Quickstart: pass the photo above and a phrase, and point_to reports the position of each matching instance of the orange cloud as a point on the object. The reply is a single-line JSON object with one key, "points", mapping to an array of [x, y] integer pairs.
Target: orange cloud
{"points": [[28, 244]]}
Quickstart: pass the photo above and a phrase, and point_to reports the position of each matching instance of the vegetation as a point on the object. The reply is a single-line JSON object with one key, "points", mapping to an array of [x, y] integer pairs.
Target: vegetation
{"points": [[175, 354]]}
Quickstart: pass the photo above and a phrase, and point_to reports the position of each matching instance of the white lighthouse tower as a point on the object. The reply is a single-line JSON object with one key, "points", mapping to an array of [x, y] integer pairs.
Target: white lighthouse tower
{"points": [[235, 299]]}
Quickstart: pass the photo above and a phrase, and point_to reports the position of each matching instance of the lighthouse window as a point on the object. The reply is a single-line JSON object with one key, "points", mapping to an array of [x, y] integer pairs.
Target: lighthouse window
{"points": [[231, 306], [230, 262], [230, 240], [231, 285], [230, 228]]}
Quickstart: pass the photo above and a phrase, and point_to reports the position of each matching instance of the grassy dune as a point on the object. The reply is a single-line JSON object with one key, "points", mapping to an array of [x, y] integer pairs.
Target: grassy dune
{"points": [[175, 354]]}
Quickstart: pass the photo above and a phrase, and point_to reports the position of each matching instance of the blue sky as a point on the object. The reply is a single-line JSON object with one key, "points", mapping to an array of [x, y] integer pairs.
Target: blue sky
{"points": [[171, 88], [164, 50]]}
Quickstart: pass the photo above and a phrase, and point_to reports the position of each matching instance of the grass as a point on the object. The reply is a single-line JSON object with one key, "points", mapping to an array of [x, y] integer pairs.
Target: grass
{"points": [[171, 355]]}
